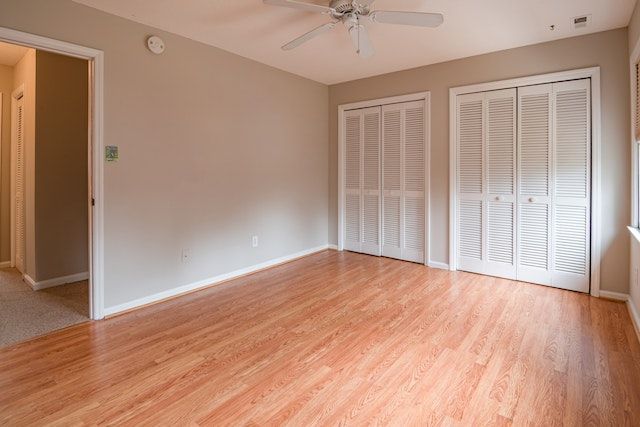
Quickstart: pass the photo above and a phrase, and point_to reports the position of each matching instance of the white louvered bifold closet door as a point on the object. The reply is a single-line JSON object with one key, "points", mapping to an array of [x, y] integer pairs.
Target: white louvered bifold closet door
{"points": [[555, 185], [403, 180], [20, 212], [500, 176], [535, 163], [470, 179], [362, 181], [371, 197], [571, 207], [486, 182]]}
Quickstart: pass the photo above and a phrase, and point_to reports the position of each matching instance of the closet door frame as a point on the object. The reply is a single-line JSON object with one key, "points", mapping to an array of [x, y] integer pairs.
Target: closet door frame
{"points": [[342, 110], [592, 73]]}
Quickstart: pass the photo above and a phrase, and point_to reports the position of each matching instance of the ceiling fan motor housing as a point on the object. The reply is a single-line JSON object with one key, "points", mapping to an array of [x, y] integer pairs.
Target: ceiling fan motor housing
{"points": [[342, 6]]}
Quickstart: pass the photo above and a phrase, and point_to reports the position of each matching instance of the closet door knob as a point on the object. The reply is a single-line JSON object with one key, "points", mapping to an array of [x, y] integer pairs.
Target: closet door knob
{"points": [[532, 199], [498, 198]]}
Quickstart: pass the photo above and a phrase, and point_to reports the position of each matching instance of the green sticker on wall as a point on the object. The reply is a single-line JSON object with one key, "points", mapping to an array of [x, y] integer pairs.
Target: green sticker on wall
{"points": [[111, 153]]}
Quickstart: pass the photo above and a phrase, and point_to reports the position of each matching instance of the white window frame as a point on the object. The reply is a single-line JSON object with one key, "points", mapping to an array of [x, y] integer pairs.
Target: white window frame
{"points": [[592, 73], [419, 96], [96, 130]]}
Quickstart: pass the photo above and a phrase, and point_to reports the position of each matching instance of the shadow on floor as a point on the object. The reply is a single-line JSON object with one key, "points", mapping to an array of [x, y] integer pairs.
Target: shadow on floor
{"points": [[25, 313]]}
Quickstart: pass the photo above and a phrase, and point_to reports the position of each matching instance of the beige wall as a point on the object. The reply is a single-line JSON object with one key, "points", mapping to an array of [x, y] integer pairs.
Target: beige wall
{"points": [[214, 148], [607, 49], [634, 28], [6, 88], [25, 75], [61, 168]]}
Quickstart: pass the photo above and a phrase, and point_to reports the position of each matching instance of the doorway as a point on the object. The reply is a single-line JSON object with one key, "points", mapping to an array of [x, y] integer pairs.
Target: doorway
{"points": [[95, 62]]}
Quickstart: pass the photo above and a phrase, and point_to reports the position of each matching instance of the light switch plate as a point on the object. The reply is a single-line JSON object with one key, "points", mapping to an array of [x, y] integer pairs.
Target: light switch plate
{"points": [[111, 153]]}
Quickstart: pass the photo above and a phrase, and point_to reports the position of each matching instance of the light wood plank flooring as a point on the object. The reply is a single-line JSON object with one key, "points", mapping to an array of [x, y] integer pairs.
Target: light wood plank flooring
{"points": [[338, 339]]}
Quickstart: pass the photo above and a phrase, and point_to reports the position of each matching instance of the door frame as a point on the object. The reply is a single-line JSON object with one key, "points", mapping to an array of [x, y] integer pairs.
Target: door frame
{"points": [[380, 102], [592, 73], [95, 198]]}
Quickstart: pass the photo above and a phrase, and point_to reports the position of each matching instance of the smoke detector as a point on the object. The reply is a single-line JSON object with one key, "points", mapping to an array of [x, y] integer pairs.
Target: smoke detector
{"points": [[581, 22]]}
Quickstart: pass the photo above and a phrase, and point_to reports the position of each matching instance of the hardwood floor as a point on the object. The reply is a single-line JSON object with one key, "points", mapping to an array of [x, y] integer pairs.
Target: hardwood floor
{"points": [[335, 339]]}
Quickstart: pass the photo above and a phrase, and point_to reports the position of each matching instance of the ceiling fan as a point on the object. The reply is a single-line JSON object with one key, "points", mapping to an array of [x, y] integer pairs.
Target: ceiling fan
{"points": [[354, 14]]}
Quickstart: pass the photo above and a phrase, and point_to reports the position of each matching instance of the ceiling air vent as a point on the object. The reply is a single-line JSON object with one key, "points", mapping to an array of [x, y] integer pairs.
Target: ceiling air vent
{"points": [[580, 22]]}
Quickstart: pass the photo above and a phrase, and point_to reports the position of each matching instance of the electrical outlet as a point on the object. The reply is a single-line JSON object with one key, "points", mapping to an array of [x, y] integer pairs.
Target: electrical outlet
{"points": [[254, 241], [186, 256]]}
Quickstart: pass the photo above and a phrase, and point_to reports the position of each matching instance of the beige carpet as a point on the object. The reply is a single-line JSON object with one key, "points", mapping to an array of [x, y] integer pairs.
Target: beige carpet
{"points": [[25, 313]]}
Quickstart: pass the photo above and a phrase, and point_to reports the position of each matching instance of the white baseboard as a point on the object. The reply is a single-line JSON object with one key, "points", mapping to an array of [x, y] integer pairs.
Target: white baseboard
{"points": [[56, 281], [5, 264], [635, 316], [438, 265], [616, 296], [205, 283], [333, 247]]}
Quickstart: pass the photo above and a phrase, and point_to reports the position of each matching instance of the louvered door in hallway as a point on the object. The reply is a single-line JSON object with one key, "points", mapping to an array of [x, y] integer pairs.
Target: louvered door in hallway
{"points": [[524, 183]]}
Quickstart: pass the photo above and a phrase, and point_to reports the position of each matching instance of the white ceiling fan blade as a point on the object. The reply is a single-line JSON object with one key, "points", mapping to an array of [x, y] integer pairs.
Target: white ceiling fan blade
{"points": [[361, 41], [308, 36], [300, 5], [417, 19]]}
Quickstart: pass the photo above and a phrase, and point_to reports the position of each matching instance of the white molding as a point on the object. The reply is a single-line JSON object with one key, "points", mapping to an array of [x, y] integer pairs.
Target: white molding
{"points": [[96, 232], [56, 281], [635, 316], [592, 73], [616, 296], [635, 232], [438, 265], [5, 264], [333, 247], [418, 96], [212, 281]]}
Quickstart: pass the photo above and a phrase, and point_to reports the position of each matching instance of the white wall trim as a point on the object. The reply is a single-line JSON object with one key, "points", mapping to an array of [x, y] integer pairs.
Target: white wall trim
{"points": [[5, 264], [212, 281], [333, 247], [438, 265], [635, 317], [592, 73], [418, 96], [96, 129], [56, 281], [616, 296]]}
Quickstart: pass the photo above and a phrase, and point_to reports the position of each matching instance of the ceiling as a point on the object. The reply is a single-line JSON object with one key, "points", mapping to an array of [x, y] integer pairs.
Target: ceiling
{"points": [[11, 54], [472, 27]]}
